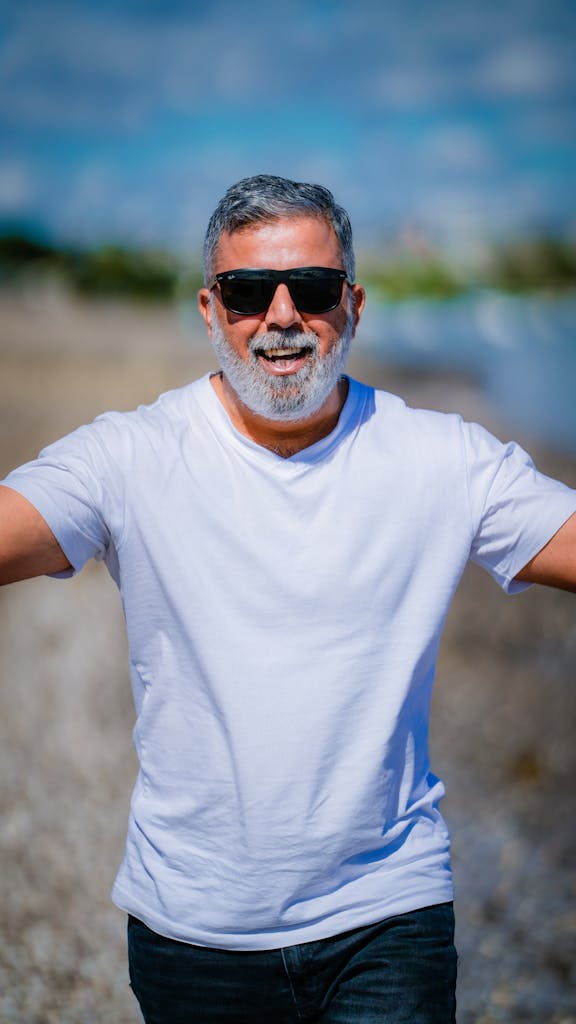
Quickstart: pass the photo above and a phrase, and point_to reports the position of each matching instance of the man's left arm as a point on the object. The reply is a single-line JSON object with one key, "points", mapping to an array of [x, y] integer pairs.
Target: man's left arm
{"points": [[555, 564]]}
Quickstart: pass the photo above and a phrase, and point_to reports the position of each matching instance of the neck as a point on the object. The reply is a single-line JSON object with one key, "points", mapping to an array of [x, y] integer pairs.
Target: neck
{"points": [[285, 438]]}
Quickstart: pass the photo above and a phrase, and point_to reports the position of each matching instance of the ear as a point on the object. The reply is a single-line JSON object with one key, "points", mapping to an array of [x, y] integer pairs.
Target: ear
{"points": [[358, 296], [205, 308]]}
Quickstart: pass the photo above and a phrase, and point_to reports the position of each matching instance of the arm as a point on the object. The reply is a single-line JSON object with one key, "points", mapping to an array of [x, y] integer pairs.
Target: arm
{"points": [[555, 564], [27, 545]]}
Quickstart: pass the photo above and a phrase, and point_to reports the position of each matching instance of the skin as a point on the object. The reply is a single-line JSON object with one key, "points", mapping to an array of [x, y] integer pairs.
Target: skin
{"points": [[555, 564], [28, 547]]}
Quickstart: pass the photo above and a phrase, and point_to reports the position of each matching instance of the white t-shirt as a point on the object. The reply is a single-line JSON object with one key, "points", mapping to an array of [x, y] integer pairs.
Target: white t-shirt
{"points": [[283, 620]]}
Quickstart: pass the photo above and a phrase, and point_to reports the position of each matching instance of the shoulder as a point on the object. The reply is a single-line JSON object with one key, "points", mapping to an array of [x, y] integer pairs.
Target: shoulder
{"points": [[396, 426], [120, 433], [168, 409], [432, 443]]}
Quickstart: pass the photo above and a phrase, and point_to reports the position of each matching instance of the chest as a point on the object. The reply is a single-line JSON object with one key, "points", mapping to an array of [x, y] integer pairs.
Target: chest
{"points": [[311, 541]]}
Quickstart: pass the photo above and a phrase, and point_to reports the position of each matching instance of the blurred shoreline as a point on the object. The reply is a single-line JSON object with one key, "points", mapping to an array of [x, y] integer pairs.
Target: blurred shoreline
{"points": [[502, 726], [65, 359]]}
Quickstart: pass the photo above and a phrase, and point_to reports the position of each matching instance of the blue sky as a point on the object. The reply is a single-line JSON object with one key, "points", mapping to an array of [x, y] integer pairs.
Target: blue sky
{"points": [[128, 120]]}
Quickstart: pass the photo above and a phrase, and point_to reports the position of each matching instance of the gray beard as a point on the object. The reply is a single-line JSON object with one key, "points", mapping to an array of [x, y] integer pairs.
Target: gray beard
{"points": [[295, 396]]}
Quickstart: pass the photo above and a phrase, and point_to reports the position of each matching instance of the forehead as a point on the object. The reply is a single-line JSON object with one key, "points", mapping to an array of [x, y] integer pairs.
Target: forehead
{"points": [[280, 244]]}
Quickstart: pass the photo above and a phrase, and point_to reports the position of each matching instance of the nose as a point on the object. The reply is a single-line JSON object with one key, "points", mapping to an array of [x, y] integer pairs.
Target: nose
{"points": [[282, 312]]}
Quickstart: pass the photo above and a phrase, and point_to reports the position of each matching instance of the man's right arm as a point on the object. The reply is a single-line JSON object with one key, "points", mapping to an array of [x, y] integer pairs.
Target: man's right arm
{"points": [[27, 545]]}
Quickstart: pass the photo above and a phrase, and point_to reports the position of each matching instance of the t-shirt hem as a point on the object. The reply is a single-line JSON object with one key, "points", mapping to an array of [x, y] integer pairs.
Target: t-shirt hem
{"points": [[46, 507], [279, 938], [563, 511]]}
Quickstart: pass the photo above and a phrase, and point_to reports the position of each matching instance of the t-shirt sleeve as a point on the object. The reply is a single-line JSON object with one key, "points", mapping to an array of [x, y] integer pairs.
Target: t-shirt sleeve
{"points": [[74, 487], [515, 509]]}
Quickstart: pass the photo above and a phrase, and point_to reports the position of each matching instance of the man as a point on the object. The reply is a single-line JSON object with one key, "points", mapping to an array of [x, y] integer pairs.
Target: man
{"points": [[287, 542]]}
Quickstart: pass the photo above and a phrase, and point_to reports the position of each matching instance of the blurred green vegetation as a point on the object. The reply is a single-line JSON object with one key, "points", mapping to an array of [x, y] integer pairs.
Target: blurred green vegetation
{"points": [[112, 270], [544, 262], [156, 275], [527, 265], [403, 278], [105, 271]]}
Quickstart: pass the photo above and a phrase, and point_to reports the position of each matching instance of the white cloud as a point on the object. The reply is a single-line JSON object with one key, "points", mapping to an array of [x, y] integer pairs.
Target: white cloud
{"points": [[408, 86], [17, 188], [526, 68], [67, 64], [455, 147], [543, 126]]}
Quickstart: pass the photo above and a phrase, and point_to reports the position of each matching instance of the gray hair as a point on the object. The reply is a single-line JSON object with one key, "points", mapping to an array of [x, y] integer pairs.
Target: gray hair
{"points": [[265, 197]]}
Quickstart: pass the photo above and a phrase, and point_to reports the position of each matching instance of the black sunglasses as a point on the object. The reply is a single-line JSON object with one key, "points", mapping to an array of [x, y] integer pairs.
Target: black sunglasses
{"points": [[249, 292]]}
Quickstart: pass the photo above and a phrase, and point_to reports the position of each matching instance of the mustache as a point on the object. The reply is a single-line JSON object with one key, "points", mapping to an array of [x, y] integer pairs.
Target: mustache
{"points": [[290, 338]]}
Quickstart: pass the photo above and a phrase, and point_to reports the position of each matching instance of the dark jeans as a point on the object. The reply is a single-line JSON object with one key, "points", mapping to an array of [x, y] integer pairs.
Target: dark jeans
{"points": [[400, 971]]}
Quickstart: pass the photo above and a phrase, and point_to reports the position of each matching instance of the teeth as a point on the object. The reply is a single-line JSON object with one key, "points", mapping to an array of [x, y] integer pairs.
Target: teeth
{"points": [[274, 352]]}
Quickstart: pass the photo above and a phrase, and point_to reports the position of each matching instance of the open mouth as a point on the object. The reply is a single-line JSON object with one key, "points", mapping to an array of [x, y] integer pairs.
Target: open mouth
{"points": [[275, 355], [283, 361]]}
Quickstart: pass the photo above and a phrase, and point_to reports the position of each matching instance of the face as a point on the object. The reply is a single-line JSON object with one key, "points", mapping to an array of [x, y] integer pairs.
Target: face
{"points": [[282, 364]]}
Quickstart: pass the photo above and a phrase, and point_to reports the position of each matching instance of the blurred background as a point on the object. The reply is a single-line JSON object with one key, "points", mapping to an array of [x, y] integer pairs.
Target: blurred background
{"points": [[448, 131]]}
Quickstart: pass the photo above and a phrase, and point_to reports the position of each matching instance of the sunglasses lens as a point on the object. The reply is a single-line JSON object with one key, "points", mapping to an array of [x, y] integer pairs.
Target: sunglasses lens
{"points": [[316, 294], [247, 296]]}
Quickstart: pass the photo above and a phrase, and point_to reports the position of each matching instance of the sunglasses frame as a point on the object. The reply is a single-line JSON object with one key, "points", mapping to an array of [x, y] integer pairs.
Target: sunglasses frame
{"points": [[276, 277]]}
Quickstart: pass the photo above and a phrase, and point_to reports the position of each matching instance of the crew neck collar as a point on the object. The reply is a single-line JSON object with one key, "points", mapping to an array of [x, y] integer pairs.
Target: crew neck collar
{"points": [[306, 456]]}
